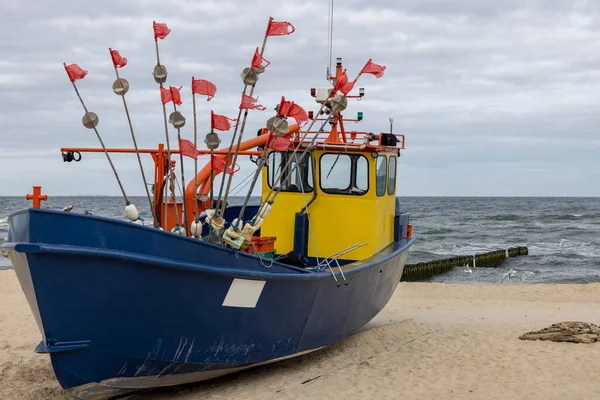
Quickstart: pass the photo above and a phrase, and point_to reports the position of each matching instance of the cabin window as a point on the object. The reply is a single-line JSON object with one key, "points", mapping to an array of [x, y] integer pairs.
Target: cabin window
{"points": [[392, 175], [344, 173], [362, 174], [298, 176], [380, 175]]}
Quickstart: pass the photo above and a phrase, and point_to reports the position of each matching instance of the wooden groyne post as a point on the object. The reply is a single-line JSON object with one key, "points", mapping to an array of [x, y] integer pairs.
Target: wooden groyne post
{"points": [[425, 270]]}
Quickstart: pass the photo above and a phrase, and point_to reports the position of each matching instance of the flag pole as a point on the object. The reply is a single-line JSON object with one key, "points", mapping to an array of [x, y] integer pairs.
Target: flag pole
{"points": [[361, 70], [160, 76], [212, 178], [88, 119], [237, 150], [219, 212], [184, 209], [196, 219], [122, 94], [166, 190], [212, 167], [170, 170]]}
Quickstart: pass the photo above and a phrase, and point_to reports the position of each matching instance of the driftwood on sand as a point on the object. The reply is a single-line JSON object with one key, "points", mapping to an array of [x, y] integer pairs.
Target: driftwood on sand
{"points": [[576, 332]]}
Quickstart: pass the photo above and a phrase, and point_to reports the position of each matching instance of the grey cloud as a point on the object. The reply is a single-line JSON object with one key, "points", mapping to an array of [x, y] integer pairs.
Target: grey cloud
{"points": [[495, 97]]}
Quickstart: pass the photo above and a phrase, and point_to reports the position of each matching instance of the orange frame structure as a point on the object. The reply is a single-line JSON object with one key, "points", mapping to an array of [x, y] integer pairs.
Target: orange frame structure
{"points": [[159, 156]]}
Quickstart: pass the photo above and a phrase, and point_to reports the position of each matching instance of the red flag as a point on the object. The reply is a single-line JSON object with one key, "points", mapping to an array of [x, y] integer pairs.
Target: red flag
{"points": [[249, 103], [372, 68], [284, 107], [220, 122], [118, 61], [160, 30], [170, 94], [291, 109], [201, 86], [298, 113], [175, 95], [347, 87], [342, 84], [258, 60], [165, 95], [74, 72], [218, 164], [279, 28], [279, 143], [188, 149]]}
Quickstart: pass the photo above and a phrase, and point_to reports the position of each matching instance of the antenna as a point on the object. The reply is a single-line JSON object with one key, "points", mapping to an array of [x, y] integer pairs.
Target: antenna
{"points": [[330, 39]]}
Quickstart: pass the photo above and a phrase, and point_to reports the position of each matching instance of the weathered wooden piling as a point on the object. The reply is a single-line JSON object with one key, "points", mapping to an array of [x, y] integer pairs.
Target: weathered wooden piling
{"points": [[425, 270]]}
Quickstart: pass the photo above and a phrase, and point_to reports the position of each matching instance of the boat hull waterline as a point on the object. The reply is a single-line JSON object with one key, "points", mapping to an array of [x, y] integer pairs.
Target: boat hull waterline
{"points": [[123, 307]]}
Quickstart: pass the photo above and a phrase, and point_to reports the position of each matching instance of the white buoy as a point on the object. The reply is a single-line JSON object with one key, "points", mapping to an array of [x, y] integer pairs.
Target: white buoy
{"points": [[264, 210], [238, 224], [258, 221], [210, 213], [196, 229], [215, 222], [249, 229], [178, 230], [131, 212]]}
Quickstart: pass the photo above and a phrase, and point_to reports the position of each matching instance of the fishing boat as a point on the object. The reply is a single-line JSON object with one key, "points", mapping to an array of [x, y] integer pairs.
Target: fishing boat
{"points": [[202, 288]]}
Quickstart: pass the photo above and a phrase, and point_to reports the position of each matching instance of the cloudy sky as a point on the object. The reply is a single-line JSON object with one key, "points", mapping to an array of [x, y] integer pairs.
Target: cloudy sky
{"points": [[494, 97]]}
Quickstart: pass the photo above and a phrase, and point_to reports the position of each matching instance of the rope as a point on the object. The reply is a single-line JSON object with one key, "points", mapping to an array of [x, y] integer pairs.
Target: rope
{"points": [[179, 187], [241, 185], [260, 258], [259, 164]]}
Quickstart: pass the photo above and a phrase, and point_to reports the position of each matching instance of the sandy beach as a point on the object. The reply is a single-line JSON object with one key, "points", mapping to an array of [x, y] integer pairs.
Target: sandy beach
{"points": [[432, 341]]}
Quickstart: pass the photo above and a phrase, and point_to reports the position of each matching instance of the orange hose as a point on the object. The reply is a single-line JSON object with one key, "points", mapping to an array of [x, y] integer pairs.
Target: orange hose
{"points": [[204, 174]]}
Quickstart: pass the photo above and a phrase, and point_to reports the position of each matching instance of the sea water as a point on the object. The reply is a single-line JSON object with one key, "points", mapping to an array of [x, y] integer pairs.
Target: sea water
{"points": [[562, 234]]}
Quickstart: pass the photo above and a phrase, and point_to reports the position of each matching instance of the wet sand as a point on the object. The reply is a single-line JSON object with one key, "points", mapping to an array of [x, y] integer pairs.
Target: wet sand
{"points": [[432, 341]]}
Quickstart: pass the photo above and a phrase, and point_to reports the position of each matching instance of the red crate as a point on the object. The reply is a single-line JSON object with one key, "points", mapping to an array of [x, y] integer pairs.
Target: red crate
{"points": [[263, 244]]}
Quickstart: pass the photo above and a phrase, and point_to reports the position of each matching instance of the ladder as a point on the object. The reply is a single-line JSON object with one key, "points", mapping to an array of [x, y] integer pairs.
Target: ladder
{"points": [[327, 262]]}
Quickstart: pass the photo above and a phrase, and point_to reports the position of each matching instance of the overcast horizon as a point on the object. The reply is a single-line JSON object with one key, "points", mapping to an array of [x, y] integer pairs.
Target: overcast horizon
{"points": [[496, 98]]}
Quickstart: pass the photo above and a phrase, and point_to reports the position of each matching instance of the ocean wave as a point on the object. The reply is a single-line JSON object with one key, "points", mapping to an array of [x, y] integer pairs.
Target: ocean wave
{"points": [[437, 231], [562, 249], [577, 280], [506, 217], [571, 217], [565, 247]]}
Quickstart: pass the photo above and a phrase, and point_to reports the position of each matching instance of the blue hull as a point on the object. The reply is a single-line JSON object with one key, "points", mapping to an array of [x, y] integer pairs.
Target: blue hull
{"points": [[123, 307]]}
